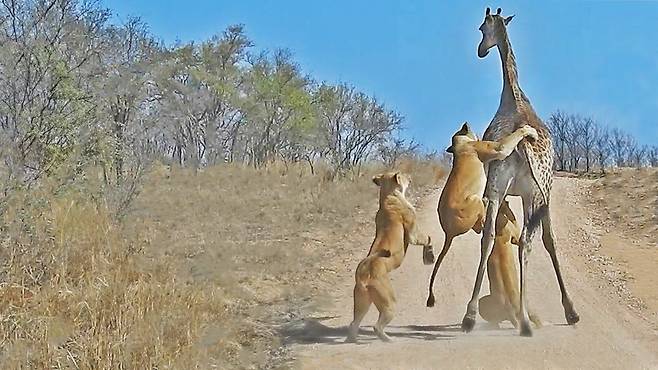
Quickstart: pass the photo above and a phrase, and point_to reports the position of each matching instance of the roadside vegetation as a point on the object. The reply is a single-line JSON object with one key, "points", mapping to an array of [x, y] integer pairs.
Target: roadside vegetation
{"points": [[165, 206], [584, 145]]}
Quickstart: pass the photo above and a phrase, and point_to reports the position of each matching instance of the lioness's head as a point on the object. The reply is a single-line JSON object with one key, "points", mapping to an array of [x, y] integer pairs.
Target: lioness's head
{"points": [[391, 181], [464, 134], [505, 215], [507, 211]]}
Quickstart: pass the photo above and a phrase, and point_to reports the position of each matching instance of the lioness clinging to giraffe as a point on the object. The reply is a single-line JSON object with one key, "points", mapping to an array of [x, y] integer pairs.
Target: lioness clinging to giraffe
{"points": [[526, 173], [502, 303], [461, 207]]}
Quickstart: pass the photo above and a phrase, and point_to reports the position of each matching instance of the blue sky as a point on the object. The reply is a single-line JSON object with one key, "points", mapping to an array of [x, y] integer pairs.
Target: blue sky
{"points": [[598, 58]]}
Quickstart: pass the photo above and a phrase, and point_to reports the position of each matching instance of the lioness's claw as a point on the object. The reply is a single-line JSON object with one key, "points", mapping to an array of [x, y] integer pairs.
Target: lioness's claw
{"points": [[530, 133], [428, 255], [383, 336], [350, 339]]}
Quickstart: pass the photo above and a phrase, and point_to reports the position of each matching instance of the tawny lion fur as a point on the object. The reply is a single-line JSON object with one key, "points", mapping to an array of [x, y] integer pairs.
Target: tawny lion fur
{"points": [[503, 303], [396, 228], [461, 208]]}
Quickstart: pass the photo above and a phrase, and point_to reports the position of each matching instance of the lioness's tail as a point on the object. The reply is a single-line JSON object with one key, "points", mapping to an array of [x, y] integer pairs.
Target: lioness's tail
{"points": [[446, 246]]}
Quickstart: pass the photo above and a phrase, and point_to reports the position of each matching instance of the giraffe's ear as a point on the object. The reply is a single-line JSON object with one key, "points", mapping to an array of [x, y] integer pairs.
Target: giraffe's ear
{"points": [[508, 19], [450, 149]]}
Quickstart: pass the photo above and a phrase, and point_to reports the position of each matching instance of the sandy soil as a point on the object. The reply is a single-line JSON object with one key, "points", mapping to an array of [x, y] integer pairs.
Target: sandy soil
{"points": [[611, 333], [627, 222]]}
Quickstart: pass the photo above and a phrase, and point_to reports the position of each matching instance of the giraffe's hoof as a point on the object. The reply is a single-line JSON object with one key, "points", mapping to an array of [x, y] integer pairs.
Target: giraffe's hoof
{"points": [[430, 301], [526, 331], [468, 323], [572, 317]]}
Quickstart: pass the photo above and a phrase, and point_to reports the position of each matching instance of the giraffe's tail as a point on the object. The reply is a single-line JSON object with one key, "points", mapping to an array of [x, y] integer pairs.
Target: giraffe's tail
{"points": [[536, 217]]}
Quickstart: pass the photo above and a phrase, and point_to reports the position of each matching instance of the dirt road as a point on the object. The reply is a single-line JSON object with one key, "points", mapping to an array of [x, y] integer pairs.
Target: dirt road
{"points": [[609, 334]]}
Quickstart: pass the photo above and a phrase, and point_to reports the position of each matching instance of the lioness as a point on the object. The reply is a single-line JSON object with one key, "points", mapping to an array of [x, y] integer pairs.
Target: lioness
{"points": [[502, 303], [461, 207], [396, 228]]}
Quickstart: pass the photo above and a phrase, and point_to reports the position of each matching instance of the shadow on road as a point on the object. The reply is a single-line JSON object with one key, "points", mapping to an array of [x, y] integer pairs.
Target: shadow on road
{"points": [[312, 331]]}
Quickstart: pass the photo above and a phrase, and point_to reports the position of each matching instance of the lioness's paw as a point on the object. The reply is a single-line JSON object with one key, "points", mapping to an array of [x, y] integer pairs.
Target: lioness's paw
{"points": [[530, 132], [428, 253], [351, 339], [383, 336]]}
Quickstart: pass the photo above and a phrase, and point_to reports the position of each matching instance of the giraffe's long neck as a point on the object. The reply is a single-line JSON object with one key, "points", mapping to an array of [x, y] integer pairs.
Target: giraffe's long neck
{"points": [[512, 95]]}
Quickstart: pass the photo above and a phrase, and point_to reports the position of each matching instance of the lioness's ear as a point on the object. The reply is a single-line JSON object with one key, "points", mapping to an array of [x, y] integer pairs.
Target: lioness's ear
{"points": [[450, 149], [464, 130], [396, 178], [377, 180]]}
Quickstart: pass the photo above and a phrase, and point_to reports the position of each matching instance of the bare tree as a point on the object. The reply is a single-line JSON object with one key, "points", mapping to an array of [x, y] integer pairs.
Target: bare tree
{"points": [[652, 156], [635, 152], [588, 133], [602, 147], [574, 139], [396, 148], [354, 125], [558, 123], [618, 146]]}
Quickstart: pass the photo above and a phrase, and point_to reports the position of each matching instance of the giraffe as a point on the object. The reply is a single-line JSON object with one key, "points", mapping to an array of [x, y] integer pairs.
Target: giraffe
{"points": [[526, 173]]}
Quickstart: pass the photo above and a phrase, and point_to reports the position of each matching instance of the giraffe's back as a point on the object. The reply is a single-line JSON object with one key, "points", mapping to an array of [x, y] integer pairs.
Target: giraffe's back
{"points": [[538, 154]]}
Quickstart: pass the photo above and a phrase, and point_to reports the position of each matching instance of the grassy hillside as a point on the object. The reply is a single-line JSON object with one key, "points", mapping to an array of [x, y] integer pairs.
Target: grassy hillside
{"points": [[626, 204], [629, 198], [199, 273]]}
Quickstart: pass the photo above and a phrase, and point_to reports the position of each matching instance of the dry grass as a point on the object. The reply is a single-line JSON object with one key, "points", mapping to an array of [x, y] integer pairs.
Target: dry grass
{"points": [[198, 275], [626, 204], [74, 294], [628, 198]]}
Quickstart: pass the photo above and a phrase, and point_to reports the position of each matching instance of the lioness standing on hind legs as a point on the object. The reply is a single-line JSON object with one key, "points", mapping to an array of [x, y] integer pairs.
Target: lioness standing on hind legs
{"points": [[395, 229]]}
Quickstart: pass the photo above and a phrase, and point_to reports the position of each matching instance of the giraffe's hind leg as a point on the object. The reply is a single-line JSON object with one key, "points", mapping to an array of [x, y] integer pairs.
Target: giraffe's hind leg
{"points": [[531, 218], [549, 243], [486, 245], [498, 181]]}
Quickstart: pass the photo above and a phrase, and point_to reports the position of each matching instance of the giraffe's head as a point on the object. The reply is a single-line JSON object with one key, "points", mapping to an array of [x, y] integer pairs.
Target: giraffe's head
{"points": [[493, 31]]}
